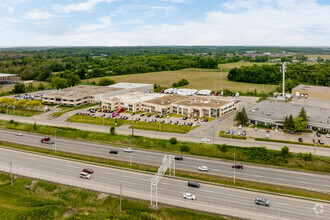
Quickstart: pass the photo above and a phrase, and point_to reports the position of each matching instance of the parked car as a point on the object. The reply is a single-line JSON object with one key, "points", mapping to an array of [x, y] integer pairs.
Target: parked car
{"points": [[142, 115], [237, 166], [128, 150], [276, 130], [193, 184], [231, 132], [169, 122], [168, 117], [113, 152], [227, 131], [88, 170], [244, 133], [320, 141], [176, 122], [318, 134], [240, 126], [262, 201], [238, 133], [148, 115], [162, 121], [195, 119], [267, 136], [132, 114], [300, 140], [177, 157], [267, 130], [206, 120], [328, 135], [85, 175], [203, 168], [255, 128], [205, 140], [19, 134], [189, 196]]}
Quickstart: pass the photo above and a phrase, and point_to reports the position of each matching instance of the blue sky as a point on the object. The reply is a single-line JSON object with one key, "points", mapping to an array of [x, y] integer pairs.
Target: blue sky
{"points": [[164, 22]]}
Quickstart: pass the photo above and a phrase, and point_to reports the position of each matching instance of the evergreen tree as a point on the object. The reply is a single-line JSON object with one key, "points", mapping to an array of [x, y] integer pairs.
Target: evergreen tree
{"points": [[290, 123], [302, 114], [285, 123]]}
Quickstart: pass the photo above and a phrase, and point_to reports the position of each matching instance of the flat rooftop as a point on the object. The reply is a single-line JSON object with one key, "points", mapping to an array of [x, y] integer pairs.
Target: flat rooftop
{"points": [[124, 85], [312, 88], [82, 90], [202, 102], [167, 99], [134, 97], [272, 110], [7, 74]]}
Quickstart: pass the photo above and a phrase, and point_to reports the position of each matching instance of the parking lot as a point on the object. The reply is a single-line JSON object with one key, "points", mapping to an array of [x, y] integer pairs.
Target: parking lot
{"points": [[146, 117]]}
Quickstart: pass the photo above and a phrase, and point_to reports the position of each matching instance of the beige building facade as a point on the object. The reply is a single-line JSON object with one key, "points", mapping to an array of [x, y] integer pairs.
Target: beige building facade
{"points": [[307, 91]]}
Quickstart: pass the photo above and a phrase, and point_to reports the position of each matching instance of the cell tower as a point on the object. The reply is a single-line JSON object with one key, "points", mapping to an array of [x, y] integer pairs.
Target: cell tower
{"points": [[168, 163]]}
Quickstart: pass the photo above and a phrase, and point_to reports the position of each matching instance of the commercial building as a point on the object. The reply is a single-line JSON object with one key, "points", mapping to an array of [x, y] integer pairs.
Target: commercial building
{"points": [[165, 104], [273, 113], [82, 94], [307, 91], [6, 78]]}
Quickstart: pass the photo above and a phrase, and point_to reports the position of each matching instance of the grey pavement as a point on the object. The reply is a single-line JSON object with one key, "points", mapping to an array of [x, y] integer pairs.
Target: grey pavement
{"points": [[209, 198], [277, 176]]}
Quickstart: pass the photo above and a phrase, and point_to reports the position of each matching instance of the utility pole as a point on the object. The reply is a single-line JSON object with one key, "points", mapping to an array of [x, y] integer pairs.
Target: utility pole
{"points": [[132, 128], [220, 80], [55, 140], [130, 154], [11, 172], [121, 189], [213, 134]]}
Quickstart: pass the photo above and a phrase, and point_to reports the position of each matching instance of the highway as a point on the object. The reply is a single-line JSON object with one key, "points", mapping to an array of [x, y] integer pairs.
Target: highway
{"points": [[165, 135], [276, 176], [208, 198]]}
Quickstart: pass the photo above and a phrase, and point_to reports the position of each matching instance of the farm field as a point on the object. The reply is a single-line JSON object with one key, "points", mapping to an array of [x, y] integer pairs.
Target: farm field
{"points": [[10, 87], [324, 56], [198, 79]]}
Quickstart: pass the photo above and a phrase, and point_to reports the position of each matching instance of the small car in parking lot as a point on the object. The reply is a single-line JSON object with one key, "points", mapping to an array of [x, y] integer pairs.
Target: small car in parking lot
{"points": [[88, 170], [203, 168], [189, 196], [113, 152], [176, 122], [237, 166], [321, 141], [262, 201], [148, 115], [318, 134], [276, 130], [255, 129], [128, 150], [169, 122], [267, 136], [244, 133], [205, 140], [142, 115], [227, 131], [328, 135], [238, 133], [85, 175], [177, 157], [300, 140], [132, 114], [240, 126], [19, 134], [193, 184], [267, 130]]}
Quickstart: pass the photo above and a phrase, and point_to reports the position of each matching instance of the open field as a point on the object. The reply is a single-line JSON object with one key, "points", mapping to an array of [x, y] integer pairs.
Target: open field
{"points": [[198, 79], [324, 56], [8, 88]]}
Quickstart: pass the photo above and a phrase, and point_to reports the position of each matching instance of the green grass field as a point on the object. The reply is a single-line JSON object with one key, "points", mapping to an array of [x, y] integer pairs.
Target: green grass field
{"points": [[228, 66], [324, 56], [8, 88], [198, 79], [43, 200]]}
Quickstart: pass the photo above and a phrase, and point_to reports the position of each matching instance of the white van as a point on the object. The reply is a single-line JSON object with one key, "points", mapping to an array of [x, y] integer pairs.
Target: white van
{"points": [[85, 175]]}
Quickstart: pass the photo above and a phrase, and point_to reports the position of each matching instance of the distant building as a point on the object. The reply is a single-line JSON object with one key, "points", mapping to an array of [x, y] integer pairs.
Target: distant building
{"points": [[6, 78], [306, 91]]}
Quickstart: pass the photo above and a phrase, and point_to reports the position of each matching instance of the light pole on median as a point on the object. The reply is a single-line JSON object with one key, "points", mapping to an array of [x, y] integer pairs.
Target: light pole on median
{"points": [[55, 140], [234, 166], [11, 172], [213, 134], [130, 153]]}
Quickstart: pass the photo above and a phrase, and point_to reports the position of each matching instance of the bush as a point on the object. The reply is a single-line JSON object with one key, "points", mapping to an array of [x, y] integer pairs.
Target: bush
{"points": [[106, 82], [173, 140], [223, 148], [308, 156], [11, 121], [184, 148], [285, 151], [112, 130], [35, 126]]}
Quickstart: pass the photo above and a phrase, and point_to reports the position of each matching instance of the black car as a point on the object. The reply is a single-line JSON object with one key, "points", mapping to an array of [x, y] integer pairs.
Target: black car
{"points": [[142, 115], [176, 122], [320, 141], [179, 157], [133, 114], [318, 134], [113, 152], [237, 166], [193, 184], [300, 140], [244, 133], [148, 115]]}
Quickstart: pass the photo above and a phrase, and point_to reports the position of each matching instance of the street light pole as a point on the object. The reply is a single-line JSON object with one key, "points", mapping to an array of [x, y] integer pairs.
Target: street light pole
{"points": [[234, 166], [121, 188], [11, 172], [132, 128], [55, 140], [130, 154], [213, 134]]}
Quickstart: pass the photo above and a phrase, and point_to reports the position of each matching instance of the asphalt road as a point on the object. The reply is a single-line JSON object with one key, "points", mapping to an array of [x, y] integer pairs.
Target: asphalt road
{"points": [[208, 133], [275, 176], [208, 198]]}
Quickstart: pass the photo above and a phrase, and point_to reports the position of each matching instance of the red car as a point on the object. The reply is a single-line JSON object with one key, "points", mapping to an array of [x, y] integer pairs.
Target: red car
{"points": [[237, 166], [195, 119], [88, 170], [267, 130]]}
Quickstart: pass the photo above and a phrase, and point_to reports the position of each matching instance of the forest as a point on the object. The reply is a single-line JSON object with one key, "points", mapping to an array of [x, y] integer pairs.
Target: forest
{"points": [[318, 74]]}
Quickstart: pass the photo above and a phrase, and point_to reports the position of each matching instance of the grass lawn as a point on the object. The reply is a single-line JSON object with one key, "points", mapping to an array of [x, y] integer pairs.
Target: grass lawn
{"points": [[10, 87], [45, 200], [198, 79], [324, 56], [20, 111]]}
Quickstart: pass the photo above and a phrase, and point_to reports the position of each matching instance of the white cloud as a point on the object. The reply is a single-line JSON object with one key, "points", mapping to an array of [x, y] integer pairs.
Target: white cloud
{"points": [[176, 1], [37, 14], [83, 6], [104, 22]]}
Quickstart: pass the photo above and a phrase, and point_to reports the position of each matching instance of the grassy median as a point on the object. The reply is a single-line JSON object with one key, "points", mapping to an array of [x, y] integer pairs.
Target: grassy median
{"points": [[34, 199], [179, 173]]}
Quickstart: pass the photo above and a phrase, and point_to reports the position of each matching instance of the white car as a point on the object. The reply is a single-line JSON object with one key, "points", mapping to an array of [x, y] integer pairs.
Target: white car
{"points": [[128, 150], [189, 196], [203, 168], [205, 140], [85, 175], [240, 126], [328, 135], [276, 130], [238, 133], [19, 134]]}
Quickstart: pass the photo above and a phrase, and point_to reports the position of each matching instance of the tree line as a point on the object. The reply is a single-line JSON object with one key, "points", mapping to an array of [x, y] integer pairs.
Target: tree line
{"points": [[318, 74]]}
